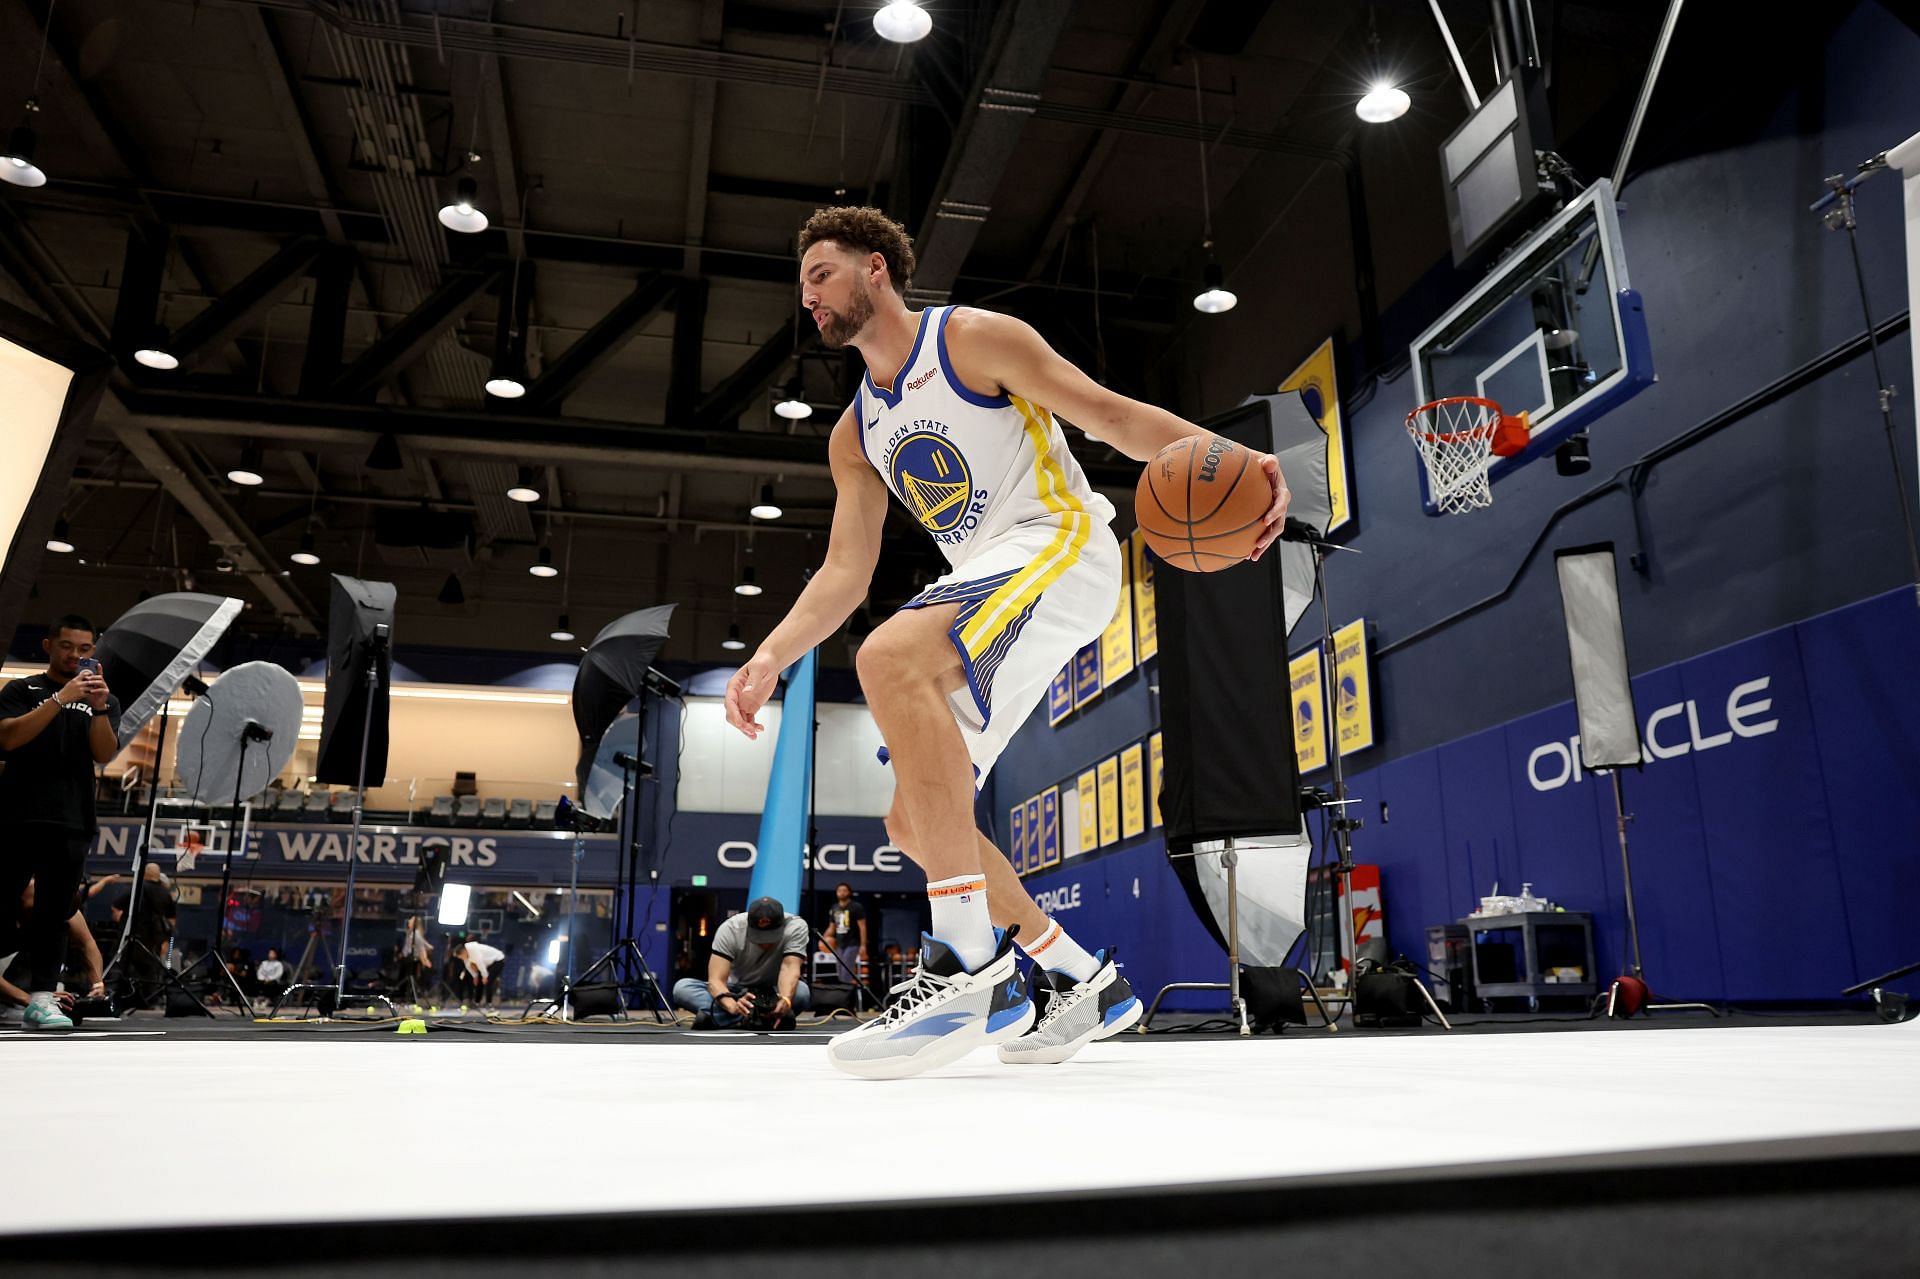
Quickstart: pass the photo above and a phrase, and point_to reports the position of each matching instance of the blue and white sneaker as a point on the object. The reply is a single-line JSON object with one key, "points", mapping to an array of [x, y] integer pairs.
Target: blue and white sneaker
{"points": [[939, 1015], [1078, 1012]]}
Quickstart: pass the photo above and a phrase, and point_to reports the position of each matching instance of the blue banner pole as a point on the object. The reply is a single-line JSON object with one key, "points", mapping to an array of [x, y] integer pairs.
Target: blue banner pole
{"points": [[783, 822]]}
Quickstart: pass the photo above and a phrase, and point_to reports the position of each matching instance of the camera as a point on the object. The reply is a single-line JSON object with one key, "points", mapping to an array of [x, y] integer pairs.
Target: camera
{"points": [[767, 1014]]}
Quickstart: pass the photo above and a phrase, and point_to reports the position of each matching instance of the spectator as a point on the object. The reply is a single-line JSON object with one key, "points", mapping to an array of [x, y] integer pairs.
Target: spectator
{"points": [[271, 977], [845, 936], [481, 963], [154, 919], [755, 967]]}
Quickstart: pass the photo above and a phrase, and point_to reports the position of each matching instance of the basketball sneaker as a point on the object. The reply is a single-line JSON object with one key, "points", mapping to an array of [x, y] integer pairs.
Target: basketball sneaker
{"points": [[1078, 1012], [43, 1013], [939, 1015]]}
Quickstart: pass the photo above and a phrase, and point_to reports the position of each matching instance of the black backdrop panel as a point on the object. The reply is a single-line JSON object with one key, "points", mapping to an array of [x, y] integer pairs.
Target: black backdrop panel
{"points": [[1224, 694], [354, 615]]}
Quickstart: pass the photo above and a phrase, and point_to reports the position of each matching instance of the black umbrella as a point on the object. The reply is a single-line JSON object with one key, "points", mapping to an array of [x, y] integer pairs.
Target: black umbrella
{"points": [[612, 674], [155, 645]]}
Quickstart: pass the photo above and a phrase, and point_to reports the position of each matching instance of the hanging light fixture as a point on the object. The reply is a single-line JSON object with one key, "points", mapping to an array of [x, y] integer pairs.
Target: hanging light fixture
{"points": [[746, 585], [306, 554], [60, 543], [462, 215], [733, 643], [386, 454], [17, 165], [156, 353], [247, 470], [902, 21], [506, 386], [1214, 299], [765, 509], [451, 592], [792, 404], [561, 631], [1382, 102], [524, 488], [543, 567]]}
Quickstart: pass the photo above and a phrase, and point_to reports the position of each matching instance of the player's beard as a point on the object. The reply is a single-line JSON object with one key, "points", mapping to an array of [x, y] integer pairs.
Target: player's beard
{"points": [[840, 329]]}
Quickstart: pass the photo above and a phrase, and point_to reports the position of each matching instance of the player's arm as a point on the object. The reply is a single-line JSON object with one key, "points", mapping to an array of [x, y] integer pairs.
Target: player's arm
{"points": [[838, 586], [989, 349]]}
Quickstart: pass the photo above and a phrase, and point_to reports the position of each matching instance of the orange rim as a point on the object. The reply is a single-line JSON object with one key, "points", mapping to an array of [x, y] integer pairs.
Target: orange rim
{"points": [[1415, 428]]}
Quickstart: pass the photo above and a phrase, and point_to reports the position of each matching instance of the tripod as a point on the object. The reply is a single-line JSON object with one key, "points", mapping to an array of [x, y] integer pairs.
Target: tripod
{"points": [[236, 847], [1639, 974], [328, 1005], [623, 959]]}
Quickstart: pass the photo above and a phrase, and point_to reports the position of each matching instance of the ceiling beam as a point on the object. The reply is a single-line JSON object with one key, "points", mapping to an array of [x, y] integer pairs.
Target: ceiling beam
{"points": [[592, 348], [504, 167], [720, 408], [1005, 92], [706, 94], [689, 351], [232, 312], [408, 340]]}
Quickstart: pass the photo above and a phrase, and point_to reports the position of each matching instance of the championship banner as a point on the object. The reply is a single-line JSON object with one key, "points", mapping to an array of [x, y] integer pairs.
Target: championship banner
{"points": [[1133, 792], [1086, 675], [1153, 779], [1049, 827], [1353, 687], [1032, 807], [1017, 838], [1316, 375], [1146, 622], [1089, 814], [1060, 697], [1309, 732], [1109, 785], [1116, 642]]}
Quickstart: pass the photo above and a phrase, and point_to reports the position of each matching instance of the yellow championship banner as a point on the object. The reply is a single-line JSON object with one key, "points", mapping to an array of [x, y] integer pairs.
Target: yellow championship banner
{"points": [[1089, 814], [1109, 801], [1352, 687], [1153, 779], [1116, 642], [1017, 838], [1309, 729], [1146, 621], [1133, 792], [1316, 374]]}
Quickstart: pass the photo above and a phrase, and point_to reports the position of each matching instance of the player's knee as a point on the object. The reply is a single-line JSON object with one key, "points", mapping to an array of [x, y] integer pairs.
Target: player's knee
{"points": [[899, 833], [884, 658]]}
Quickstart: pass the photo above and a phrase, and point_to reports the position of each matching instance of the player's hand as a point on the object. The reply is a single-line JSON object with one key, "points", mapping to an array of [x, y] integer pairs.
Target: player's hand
{"points": [[1277, 513], [748, 691]]}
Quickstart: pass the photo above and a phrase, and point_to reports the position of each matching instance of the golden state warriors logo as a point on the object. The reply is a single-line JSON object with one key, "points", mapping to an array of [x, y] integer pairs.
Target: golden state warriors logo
{"points": [[932, 479]]}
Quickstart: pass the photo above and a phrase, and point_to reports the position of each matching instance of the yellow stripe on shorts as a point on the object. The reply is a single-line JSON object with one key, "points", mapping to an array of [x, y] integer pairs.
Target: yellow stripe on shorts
{"points": [[1075, 527]]}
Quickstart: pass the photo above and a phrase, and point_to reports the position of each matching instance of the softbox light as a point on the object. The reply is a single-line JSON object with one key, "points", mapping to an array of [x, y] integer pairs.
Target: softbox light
{"points": [[612, 673], [359, 639], [50, 385], [1299, 443], [1597, 645], [155, 645]]}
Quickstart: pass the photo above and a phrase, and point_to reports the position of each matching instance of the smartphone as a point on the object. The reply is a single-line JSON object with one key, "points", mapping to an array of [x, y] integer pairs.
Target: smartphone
{"points": [[90, 665]]}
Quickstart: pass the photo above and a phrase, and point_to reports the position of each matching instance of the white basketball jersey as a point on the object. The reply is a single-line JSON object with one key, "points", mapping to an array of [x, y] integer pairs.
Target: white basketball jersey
{"points": [[971, 468]]}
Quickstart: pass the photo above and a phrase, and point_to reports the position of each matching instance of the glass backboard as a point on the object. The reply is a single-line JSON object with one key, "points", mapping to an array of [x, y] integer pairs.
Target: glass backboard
{"points": [[1554, 331]]}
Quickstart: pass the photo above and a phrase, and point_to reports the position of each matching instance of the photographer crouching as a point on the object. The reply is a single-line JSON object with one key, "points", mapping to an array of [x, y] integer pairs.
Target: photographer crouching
{"points": [[55, 729], [753, 977]]}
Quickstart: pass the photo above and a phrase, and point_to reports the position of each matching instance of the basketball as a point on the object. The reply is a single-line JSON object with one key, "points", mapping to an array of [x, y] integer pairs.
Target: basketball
{"points": [[1202, 503]]}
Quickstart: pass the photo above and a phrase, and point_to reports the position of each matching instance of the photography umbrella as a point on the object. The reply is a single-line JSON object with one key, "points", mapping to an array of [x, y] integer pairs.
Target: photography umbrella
{"points": [[606, 787], [611, 675], [155, 645], [1300, 445]]}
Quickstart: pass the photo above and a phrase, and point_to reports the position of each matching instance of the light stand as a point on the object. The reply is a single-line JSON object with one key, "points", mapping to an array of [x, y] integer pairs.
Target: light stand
{"points": [[1838, 213], [236, 847], [1639, 974], [194, 688], [625, 948]]}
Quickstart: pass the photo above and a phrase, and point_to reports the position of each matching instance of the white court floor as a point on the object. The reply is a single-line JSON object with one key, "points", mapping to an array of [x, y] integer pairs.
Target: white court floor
{"points": [[287, 1128]]}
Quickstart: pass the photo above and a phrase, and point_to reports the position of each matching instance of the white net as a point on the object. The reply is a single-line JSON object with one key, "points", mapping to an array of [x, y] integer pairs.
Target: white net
{"points": [[1455, 439]]}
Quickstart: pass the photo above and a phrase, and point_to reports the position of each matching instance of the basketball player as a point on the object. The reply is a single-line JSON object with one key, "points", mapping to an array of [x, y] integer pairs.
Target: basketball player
{"points": [[955, 419]]}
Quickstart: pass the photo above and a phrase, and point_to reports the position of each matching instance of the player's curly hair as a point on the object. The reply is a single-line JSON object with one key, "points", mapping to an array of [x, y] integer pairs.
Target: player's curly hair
{"points": [[863, 231]]}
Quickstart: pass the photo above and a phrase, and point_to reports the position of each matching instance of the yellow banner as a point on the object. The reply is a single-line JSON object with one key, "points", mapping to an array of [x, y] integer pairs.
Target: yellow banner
{"points": [[1309, 728], [1109, 801], [1153, 779], [1133, 792], [1146, 621], [1116, 642], [1089, 814], [1352, 687], [1316, 374]]}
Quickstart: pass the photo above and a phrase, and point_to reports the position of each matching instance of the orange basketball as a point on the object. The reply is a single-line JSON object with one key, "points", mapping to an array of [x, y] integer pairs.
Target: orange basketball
{"points": [[1202, 503]]}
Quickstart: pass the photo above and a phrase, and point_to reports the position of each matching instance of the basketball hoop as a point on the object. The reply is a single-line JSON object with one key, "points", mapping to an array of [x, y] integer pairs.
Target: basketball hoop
{"points": [[1458, 438]]}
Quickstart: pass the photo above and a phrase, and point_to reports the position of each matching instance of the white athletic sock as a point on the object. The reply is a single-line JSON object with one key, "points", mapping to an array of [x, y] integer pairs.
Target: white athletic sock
{"points": [[960, 917], [1054, 949]]}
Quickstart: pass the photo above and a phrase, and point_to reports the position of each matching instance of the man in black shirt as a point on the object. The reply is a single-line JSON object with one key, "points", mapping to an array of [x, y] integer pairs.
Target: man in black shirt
{"points": [[55, 729], [845, 935]]}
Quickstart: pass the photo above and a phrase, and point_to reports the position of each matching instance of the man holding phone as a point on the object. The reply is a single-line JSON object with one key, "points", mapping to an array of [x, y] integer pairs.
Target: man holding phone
{"points": [[55, 729]]}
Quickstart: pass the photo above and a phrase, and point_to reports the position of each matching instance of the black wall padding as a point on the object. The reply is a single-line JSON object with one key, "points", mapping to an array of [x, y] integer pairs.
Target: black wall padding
{"points": [[1224, 695], [356, 609]]}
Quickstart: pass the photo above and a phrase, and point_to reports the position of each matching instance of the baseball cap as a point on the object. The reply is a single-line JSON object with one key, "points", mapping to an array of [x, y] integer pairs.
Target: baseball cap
{"points": [[766, 920]]}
